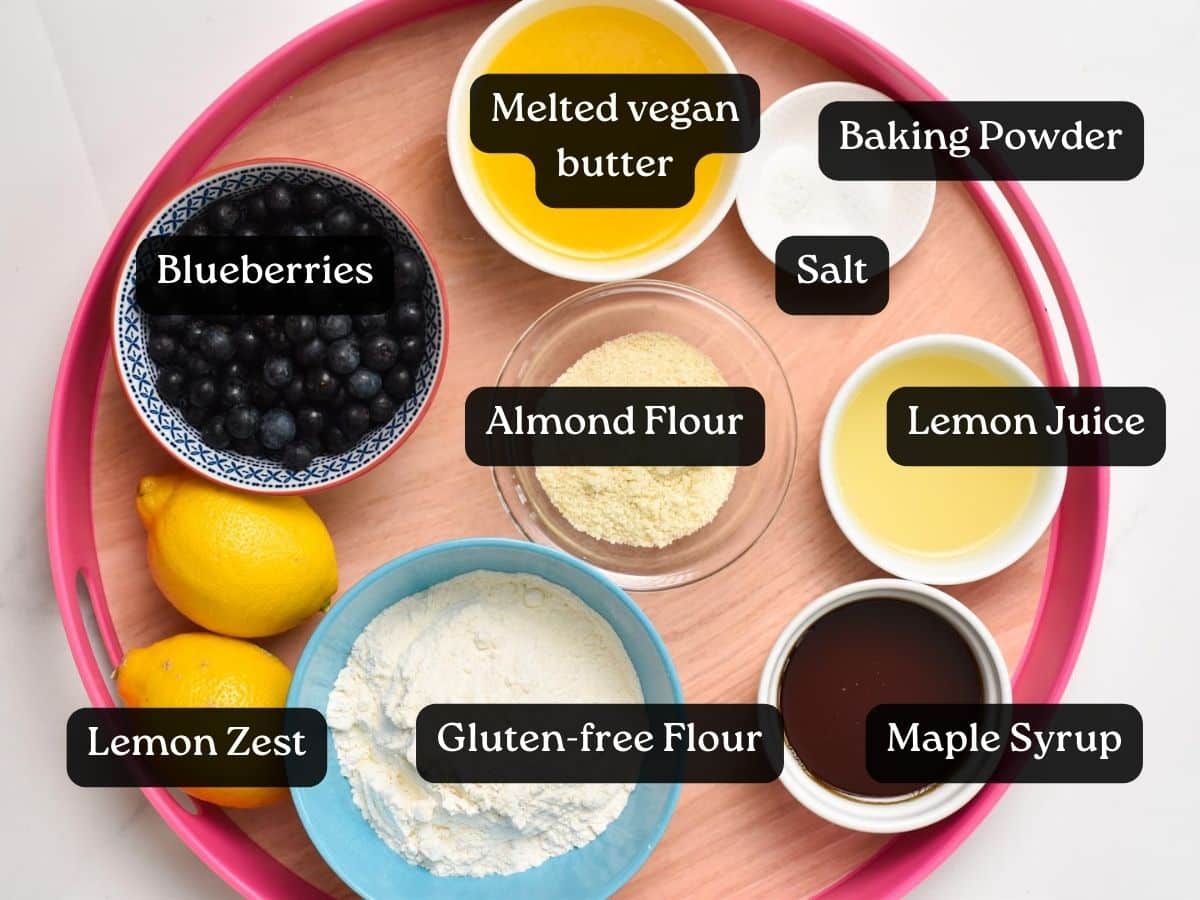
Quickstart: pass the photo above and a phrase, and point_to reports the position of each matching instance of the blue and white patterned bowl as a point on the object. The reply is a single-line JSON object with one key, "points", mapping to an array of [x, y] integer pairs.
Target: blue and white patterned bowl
{"points": [[139, 373]]}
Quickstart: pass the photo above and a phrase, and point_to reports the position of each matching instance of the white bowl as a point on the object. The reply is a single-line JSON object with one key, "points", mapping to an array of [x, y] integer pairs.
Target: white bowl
{"points": [[784, 165], [892, 814], [989, 557], [458, 140]]}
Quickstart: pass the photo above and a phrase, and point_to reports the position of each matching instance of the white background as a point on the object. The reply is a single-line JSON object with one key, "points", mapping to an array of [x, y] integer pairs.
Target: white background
{"points": [[93, 93]]}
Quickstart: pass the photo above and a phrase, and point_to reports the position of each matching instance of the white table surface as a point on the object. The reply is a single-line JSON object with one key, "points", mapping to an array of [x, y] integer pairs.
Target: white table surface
{"points": [[95, 92]]}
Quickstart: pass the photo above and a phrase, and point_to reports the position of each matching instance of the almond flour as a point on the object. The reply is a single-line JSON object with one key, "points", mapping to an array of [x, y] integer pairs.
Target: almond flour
{"points": [[639, 506]]}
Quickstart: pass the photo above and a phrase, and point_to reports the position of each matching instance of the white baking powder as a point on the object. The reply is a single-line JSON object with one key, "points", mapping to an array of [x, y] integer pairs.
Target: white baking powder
{"points": [[483, 637]]}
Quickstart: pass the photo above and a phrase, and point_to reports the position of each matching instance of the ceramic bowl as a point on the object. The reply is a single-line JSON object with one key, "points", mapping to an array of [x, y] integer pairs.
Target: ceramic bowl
{"points": [[909, 812], [598, 314], [782, 191], [458, 140], [138, 373], [987, 558], [337, 827]]}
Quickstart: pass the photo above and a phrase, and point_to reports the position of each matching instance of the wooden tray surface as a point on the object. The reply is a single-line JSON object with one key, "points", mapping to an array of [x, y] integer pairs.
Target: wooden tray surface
{"points": [[379, 111]]}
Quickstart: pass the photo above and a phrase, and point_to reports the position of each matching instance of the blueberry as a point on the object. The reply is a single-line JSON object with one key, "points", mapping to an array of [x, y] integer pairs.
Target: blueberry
{"points": [[407, 318], [279, 198], [197, 365], [315, 199], [330, 328], [247, 229], [339, 220], [216, 345], [320, 385], [343, 356], [237, 370], [411, 349], [196, 228], [311, 353], [241, 422], [316, 227], [410, 270], [172, 386], [276, 428], [196, 416], [309, 421], [339, 399], [293, 229], [224, 216], [203, 392], [263, 396], [277, 371], [370, 324], [264, 323], [161, 348], [193, 334], [277, 340], [168, 324], [380, 352], [214, 433], [247, 446], [399, 384], [293, 393], [255, 207], [366, 228], [382, 409], [234, 392], [248, 344], [364, 384], [297, 456], [335, 440], [355, 419], [299, 328]]}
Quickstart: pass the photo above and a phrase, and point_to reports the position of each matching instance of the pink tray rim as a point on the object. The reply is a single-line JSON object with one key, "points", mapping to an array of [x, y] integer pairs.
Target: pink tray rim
{"points": [[1077, 537]]}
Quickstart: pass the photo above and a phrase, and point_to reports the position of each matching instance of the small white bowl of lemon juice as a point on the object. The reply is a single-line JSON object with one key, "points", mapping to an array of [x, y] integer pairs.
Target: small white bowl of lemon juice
{"points": [[932, 524]]}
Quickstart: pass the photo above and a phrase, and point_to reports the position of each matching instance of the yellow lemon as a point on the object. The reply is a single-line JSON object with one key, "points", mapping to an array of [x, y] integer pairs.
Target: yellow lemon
{"points": [[245, 565], [207, 670]]}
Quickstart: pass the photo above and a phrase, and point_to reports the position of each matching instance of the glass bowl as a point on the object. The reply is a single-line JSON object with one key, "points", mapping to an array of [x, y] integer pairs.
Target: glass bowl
{"points": [[584, 321]]}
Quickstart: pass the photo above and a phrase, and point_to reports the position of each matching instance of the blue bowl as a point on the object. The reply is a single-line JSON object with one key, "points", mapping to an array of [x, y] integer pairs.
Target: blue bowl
{"points": [[338, 829]]}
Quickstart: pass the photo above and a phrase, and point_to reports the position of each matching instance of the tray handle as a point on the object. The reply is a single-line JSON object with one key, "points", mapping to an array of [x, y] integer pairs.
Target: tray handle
{"points": [[74, 569]]}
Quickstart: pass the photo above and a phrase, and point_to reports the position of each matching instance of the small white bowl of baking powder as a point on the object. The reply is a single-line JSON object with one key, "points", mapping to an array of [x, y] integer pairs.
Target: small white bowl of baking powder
{"points": [[783, 192]]}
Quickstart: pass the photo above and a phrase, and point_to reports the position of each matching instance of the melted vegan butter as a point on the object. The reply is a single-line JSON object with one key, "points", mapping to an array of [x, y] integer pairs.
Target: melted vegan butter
{"points": [[591, 40]]}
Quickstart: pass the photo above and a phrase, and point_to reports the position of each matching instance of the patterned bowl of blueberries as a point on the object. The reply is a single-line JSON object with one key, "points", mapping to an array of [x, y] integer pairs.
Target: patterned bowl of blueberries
{"points": [[284, 404]]}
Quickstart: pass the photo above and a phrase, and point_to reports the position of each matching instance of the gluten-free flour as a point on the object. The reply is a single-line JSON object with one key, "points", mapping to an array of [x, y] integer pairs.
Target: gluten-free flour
{"points": [[482, 637]]}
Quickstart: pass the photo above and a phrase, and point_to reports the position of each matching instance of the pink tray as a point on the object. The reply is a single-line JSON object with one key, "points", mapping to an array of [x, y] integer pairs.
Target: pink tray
{"points": [[1077, 538]]}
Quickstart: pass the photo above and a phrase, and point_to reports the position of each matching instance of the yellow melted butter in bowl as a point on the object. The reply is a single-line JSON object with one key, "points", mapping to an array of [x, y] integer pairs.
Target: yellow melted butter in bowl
{"points": [[591, 40], [931, 511]]}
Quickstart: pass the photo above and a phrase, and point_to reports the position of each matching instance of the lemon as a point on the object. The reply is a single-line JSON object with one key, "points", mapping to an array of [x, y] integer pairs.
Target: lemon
{"points": [[207, 670], [239, 564]]}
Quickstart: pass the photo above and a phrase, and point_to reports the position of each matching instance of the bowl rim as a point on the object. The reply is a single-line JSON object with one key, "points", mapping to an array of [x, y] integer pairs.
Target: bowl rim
{"points": [[651, 583], [597, 271], [324, 168], [982, 561], [471, 543], [909, 812]]}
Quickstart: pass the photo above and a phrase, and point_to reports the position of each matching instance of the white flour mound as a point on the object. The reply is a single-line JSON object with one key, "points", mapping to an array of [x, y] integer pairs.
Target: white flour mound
{"points": [[483, 637]]}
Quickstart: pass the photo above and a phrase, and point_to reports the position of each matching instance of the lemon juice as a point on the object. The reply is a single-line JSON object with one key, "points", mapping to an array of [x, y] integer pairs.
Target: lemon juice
{"points": [[933, 511]]}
